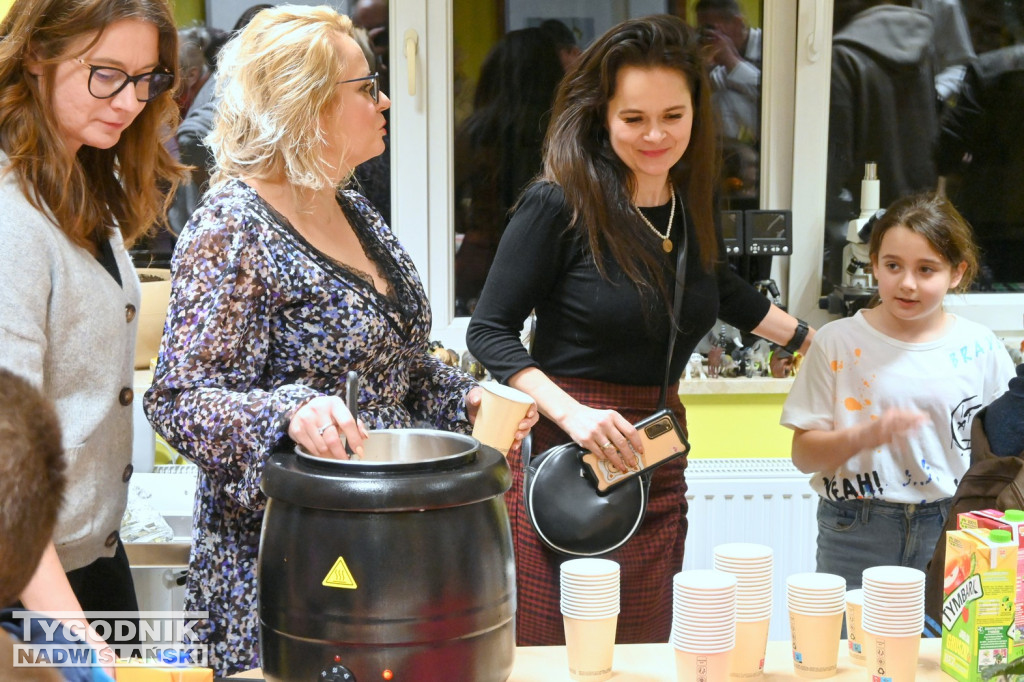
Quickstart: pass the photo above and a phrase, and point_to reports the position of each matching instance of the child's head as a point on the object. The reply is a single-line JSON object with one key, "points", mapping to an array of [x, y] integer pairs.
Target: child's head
{"points": [[936, 219], [31, 481]]}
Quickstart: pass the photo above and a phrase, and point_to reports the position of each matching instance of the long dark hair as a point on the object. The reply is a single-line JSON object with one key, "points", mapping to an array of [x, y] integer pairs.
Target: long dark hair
{"points": [[598, 186], [128, 184], [500, 142]]}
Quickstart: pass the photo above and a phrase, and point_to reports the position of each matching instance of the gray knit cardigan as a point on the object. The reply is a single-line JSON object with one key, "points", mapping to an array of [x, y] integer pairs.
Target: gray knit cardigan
{"points": [[66, 326]]}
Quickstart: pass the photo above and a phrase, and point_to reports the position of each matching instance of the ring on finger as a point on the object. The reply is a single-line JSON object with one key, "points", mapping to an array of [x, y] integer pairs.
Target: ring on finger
{"points": [[323, 428], [607, 445]]}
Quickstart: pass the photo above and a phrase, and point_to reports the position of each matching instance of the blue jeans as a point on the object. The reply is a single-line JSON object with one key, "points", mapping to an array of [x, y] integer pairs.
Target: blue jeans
{"points": [[858, 534]]}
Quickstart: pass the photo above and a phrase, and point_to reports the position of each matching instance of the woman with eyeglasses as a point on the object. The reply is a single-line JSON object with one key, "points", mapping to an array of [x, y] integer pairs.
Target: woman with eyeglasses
{"points": [[85, 91], [282, 284]]}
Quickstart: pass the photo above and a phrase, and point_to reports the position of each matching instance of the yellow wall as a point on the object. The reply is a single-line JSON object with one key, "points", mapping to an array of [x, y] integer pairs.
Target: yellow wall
{"points": [[186, 12], [736, 425]]}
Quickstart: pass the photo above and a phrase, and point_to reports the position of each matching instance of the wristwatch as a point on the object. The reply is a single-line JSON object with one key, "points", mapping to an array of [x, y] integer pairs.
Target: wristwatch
{"points": [[798, 337]]}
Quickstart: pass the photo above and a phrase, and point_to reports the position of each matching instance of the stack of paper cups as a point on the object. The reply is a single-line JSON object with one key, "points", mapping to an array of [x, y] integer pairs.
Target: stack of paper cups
{"points": [[892, 620], [703, 625], [816, 605], [752, 566], [590, 612], [854, 635]]}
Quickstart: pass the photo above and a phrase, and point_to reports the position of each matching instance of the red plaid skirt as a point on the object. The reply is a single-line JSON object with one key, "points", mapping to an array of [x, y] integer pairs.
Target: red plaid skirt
{"points": [[647, 562]]}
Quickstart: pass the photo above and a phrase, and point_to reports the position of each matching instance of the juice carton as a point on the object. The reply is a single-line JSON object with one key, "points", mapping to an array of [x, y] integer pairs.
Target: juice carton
{"points": [[977, 610], [1013, 521]]}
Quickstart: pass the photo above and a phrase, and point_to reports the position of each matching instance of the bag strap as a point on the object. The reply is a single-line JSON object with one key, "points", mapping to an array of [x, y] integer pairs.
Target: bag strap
{"points": [[677, 311]]}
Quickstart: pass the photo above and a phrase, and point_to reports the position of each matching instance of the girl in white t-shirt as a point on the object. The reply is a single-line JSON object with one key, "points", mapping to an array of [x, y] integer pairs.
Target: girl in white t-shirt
{"points": [[882, 405]]}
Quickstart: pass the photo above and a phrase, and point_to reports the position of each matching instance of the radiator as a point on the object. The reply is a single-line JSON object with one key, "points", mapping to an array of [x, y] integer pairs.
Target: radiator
{"points": [[767, 501]]}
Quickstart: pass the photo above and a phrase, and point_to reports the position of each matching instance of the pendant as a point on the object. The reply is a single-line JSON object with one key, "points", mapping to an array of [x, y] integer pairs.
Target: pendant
{"points": [[666, 245]]}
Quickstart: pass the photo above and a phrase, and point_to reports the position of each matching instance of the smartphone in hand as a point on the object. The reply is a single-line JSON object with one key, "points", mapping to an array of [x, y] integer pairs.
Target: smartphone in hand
{"points": [[663, 440]]}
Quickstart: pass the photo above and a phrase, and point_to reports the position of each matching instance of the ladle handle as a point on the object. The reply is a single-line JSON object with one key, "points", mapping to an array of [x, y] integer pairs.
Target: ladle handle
{"points": [[352, 401]]}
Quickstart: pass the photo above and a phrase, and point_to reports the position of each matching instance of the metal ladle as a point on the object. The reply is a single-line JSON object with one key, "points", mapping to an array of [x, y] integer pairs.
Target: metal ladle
{"points": [[352, 402]]}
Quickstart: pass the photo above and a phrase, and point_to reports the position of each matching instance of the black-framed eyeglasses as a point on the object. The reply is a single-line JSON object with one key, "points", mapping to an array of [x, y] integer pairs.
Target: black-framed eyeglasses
{"points": [[107, 81], [374, 90]]}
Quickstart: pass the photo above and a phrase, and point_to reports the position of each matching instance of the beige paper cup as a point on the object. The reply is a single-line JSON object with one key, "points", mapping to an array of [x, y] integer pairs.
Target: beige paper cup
{"points": [[692, 667], [501, 409], [590, 646], [815, 643], [854, 635], [892, 658], [751, 643]]}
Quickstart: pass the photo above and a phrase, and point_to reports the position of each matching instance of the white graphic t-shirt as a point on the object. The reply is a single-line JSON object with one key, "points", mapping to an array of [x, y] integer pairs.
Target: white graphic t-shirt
{"points": [[853, 372]]}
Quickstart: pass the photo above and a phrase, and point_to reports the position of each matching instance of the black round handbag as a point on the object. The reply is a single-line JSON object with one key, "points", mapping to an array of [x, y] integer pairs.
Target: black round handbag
{"points": [[565, 509]]}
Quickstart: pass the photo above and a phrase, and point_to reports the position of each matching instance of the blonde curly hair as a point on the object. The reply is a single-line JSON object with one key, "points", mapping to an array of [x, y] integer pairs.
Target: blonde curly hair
{"points": [[275, 79]]}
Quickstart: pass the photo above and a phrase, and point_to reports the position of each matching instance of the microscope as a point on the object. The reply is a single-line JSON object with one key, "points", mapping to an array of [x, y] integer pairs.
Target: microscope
{"points": [[859, 285]]}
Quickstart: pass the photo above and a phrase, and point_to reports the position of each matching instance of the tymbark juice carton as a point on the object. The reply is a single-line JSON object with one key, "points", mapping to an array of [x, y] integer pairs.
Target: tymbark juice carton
{"points": [[1013, 521], [977, 611]]}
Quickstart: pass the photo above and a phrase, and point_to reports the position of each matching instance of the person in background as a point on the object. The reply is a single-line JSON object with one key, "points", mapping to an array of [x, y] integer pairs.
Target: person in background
{"points": [[372, 178], [197, 124], [85, 91], [882, 407], [953, 48], [1002, 421], [981, 149], [498, 149], [735, 62], [882, 109], [564, 40], [629, 167], [32, 487], [192, 91], [195, 70], [298, 284]]}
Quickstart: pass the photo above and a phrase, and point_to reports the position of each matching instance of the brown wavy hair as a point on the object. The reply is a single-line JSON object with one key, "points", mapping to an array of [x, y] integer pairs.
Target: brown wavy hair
{"points": [[935, 218], [31, 480], [597, 185], [128, 185]]}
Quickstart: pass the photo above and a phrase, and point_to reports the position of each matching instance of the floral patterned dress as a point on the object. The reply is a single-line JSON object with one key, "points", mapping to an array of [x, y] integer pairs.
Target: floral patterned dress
{"points": [[260, 322]]}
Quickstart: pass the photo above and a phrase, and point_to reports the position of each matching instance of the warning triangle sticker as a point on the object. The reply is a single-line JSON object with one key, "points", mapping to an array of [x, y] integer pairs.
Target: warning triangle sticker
{"points": [[339, 576]]}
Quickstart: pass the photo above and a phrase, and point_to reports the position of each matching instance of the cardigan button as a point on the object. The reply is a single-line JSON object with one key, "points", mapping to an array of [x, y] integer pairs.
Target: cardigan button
{"points": [[125, 396], [129, 312], [111, 539], [127, 473]]}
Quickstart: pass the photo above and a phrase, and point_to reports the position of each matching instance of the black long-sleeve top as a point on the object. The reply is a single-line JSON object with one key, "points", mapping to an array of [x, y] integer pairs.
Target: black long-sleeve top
{"points": [[588, 326]]}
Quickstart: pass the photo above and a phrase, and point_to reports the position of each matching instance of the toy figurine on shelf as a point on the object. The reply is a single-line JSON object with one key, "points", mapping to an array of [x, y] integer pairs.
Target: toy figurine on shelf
{"points": [[445, 355], [695, 368]]}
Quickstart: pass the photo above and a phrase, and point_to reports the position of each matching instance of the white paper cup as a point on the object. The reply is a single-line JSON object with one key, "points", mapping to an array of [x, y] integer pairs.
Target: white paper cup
{"points": [[497, 419], [692, 667], [815, 643], [854, 635], [751, 644], [892, 657], [590, 647]]}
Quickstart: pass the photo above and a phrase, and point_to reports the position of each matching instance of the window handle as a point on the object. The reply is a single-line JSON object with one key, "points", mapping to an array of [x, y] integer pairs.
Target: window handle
{"points": [[411, 43], [816, 38]]}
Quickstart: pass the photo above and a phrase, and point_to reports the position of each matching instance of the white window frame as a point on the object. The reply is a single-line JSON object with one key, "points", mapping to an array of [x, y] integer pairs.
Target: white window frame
{"points": [[795, 92]]}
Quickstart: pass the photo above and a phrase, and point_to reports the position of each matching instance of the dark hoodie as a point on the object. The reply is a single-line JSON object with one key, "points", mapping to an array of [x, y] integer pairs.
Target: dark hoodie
{"points": [[883, 107]]}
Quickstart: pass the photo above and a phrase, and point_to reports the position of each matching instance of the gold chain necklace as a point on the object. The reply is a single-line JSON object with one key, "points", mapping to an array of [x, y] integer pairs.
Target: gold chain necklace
{"points": [[666, 243]]}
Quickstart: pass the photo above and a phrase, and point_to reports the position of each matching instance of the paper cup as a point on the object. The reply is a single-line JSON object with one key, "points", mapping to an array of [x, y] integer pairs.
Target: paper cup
{"points": [[854, 635], [815, 644], [696, 667], [892, 658], [590, 647], [751, 643], [501, 409]]}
